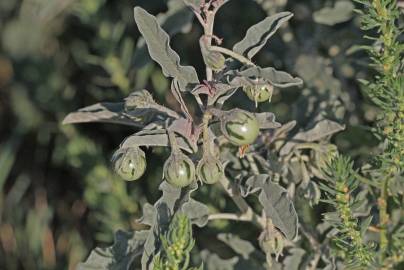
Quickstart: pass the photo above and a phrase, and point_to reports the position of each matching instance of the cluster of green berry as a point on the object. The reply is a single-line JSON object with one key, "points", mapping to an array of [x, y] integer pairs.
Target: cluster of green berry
{"points": [[239, 127]]}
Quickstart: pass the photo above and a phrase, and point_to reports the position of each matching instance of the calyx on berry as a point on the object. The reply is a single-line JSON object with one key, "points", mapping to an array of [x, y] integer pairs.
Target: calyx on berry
{"points": [[240, 127], [129, 163]]}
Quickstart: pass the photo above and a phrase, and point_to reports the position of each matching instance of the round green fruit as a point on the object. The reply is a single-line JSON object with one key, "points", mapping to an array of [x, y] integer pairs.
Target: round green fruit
{"points": [[129, 163], [179, 170], [240, 127], [214, 60], [259, 93], [210, 170]]}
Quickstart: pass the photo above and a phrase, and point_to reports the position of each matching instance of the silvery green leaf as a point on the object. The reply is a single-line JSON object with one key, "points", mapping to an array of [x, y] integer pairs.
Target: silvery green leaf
{"points": [[276, 78], [148, 212], [341, 12], [292, 262], [240, 246], [365, 225], [193, 3], [170, 202], [142, 101], [157, 41], [267, 120], [102, 112], [197, 212], [157, 137], [119, 256], [178, 18], [321, 130], [258, 34], [276, 202], [214, 262], [319, 75], [313, 193], [184, 128]]}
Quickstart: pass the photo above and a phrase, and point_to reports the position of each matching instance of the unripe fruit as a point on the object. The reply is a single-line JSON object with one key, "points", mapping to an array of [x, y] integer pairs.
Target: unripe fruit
{"points": [[259, 93], [240, 127], [210, 170], [129, 163], [214, 60], [179, 170]]}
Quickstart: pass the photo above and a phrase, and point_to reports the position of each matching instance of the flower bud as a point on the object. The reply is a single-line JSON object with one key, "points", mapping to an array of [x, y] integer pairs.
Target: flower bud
{"points": [[240, 127], [129, 163]]}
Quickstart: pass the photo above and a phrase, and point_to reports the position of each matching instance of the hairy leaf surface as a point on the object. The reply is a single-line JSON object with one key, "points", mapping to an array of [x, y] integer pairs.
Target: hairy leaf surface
{"points": [[157, 41], [276, 202], [258, 34]]}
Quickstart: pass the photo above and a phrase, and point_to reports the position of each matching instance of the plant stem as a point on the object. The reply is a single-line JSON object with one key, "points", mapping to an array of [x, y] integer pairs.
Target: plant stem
{"points": [[232, 54], [208, 29], [247, 216]]}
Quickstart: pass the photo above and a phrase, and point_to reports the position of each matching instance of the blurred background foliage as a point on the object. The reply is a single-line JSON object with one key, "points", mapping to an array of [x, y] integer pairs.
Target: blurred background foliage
{"points": [[58, 195]]}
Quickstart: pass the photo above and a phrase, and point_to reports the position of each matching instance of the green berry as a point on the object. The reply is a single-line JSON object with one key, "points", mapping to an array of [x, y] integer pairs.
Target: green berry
{"points": [[214, 60], [240, 127], [129, 163], [210, 170], [179, 170], [259, 93]]}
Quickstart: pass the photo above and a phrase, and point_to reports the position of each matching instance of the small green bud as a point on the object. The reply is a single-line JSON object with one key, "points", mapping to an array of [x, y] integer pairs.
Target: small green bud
{"points": [[240, 127], [129, 163], [179, 170]]}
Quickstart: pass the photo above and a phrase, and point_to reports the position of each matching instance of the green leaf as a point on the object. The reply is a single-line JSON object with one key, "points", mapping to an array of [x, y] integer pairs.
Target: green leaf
{"points": [[240, 246], [365, 225], [214, 262], [157, 41], [258, 34], [276, 202], [270, 75], [293, 261], [321, 130], [178, 18], [119, 256], [170, 202], [193, 3], [197, 212], [157, 137], [266, 120], [341, 12], [105, 112]]}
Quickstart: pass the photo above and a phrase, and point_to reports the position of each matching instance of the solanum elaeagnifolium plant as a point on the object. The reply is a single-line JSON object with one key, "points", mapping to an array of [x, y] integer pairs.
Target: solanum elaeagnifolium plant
{"points": [[246, 152]]}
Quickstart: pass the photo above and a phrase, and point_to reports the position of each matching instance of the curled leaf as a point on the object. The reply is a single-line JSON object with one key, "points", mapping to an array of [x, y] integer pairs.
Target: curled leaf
{"points": [[341, 12], [158, 43], [276, 202], [258, 34]]}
